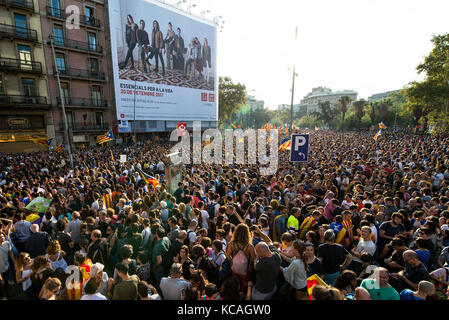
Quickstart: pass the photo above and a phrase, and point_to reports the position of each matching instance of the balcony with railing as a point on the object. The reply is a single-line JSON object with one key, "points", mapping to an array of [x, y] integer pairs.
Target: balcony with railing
{"points": [[85, 127], [21, 4], [83, 103], [77, 45], [15, 32], [17, 65], [89, 21], [67, 72], [23, 101]]}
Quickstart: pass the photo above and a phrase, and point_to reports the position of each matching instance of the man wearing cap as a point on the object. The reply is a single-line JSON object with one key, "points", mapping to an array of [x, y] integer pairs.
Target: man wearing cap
{"points": [[97, 273]]}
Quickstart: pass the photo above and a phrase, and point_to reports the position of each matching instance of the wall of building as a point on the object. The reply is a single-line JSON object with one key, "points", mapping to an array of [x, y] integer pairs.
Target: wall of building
{"points": [[36, 118]]}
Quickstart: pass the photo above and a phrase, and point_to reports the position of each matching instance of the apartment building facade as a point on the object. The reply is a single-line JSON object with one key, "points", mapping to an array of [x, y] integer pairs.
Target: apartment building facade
{"points": [[80, 53], [25, 110]]}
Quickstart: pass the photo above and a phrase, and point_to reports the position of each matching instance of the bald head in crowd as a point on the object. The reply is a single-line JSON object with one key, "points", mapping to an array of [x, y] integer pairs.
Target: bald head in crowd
{"points": [[34, 228], [262, 250]]}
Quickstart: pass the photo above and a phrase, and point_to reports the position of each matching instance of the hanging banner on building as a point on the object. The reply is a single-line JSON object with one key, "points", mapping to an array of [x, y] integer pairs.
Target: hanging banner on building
{"points": [[164, 62]]}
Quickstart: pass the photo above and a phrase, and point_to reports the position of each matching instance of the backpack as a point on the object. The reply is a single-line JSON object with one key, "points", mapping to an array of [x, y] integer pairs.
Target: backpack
{"points": [[211, 210], [440, 287], [240, 263]]}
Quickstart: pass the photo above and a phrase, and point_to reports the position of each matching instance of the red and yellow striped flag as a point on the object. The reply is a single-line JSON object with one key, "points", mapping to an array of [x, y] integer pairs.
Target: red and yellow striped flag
{"points": [[107, 199], [313, 281]]}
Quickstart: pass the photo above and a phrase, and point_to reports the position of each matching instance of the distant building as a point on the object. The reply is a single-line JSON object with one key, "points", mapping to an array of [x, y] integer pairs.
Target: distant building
{"points": [[254, 103], [310, 102], [381, 96], [283, 107]]}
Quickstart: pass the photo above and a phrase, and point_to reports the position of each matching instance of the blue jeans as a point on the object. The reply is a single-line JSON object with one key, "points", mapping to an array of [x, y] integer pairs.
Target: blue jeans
{"points": [[331, 277], [257, 295]]}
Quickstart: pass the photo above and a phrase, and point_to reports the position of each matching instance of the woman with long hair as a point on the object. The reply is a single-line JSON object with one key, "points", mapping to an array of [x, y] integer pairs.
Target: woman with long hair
{"points": [[198, 217], [314, 265], [184, 259], [229, 229], [40, 272], [240, 251], [296, 273], [157, 46], [131, 40], [346, 282], [251, 213], [55, 256], [198, 281], [23, 273], [326, 293], [50, 289]]}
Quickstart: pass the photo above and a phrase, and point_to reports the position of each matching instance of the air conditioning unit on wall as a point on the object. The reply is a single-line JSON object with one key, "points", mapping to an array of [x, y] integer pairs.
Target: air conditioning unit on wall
{"points": [[30, 100]]}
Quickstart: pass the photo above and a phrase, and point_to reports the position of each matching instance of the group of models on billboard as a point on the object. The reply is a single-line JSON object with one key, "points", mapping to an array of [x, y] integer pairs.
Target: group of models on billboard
{"points": [[194, 57]]}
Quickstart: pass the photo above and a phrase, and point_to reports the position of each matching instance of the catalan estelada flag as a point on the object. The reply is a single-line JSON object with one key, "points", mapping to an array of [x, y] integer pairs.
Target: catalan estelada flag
{"points": [[107, 199], [306, 225], [59, 148], [285, 144], [382, 126], [339, 231], [42, 141], [109, 136], [149, 179], [313, 281], [377, 135], [347, 225]]}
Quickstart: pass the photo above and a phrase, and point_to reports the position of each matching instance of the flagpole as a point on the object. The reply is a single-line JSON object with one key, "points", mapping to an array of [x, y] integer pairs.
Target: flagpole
{"points": [[64, 116]]}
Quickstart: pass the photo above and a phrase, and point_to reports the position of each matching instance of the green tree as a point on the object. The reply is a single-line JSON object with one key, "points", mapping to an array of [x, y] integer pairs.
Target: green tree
{"points": [[326, 113], [383, 108], [372, 111], [343, 103], [359, 109], [231, 97], [432, 94]]}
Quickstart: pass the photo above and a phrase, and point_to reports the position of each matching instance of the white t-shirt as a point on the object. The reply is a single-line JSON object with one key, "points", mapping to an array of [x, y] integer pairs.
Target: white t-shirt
{"points": [[205, 216], [437, 180], [346, 205], [365, 247], [5, 248], [27, 283], [96, 296], [370, 202], [374, 231], [146, 233]]}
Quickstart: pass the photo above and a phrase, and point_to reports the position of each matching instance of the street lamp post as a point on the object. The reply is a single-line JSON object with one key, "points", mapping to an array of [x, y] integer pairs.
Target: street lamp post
{"points": [[293, 85]]}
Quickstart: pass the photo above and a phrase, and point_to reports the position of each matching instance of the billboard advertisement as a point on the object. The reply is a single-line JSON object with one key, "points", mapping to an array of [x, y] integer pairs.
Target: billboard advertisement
{"points": [[164, 62]]}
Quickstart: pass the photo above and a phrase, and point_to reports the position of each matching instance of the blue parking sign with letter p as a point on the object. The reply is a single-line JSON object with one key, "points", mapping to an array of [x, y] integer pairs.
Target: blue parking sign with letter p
{"points": [[299, 151]]}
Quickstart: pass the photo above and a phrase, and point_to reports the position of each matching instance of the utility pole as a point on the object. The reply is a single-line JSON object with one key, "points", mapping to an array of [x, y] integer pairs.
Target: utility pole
{"points": [[293, 85], [134, 122], [64, 116]]}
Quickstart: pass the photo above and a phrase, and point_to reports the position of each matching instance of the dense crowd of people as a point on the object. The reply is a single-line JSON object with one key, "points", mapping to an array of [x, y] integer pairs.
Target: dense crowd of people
{"points": [[369, 218]]}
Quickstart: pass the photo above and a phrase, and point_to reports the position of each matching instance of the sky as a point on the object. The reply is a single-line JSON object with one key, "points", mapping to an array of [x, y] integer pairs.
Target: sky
{"points": [[366, 46]]}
